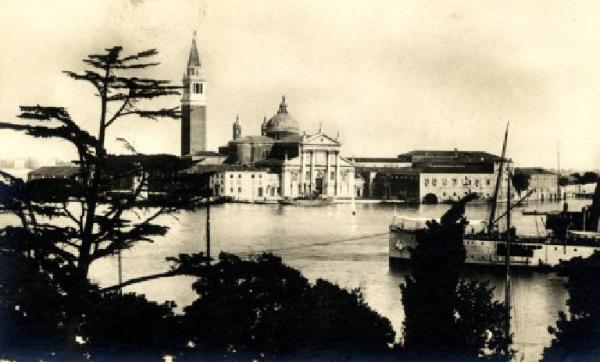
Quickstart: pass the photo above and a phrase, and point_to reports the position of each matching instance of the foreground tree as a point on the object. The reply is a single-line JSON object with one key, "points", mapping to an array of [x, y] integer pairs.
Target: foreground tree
{"points": [[94, 231], [577, 333], [63, 226], [520, 182], [263, 307], [445, 316]]}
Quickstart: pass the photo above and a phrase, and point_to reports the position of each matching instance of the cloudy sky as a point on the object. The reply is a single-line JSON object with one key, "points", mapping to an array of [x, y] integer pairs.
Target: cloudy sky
{"points": [[390, 76]]}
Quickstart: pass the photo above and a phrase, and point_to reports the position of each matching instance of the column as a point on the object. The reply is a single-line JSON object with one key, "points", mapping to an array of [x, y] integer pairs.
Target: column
{"points": [[326, 180], [301, 176], [312, 171], [337, 173]]}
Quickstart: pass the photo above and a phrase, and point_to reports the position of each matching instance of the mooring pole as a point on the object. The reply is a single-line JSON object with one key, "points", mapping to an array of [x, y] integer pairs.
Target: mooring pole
{"points": [[208, 228]]}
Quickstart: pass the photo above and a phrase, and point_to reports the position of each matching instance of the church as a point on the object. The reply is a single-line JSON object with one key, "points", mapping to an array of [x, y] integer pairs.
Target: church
{"points": [[282, 161], [307, 165]]}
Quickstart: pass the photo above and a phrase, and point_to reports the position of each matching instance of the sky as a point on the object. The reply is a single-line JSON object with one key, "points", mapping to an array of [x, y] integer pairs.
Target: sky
{"points": [[389, 76]]}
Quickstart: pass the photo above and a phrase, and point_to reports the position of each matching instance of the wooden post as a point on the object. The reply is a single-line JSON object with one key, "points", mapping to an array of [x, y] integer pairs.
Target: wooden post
{"points": [[507, 260], [208, 227]]}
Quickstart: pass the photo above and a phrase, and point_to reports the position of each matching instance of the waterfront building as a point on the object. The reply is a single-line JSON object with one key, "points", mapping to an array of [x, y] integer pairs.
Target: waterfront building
{"points": [[436, 176], [244, 184], [307, 165], [367, 169], [193, 106], [542, 183], [53, 172]]}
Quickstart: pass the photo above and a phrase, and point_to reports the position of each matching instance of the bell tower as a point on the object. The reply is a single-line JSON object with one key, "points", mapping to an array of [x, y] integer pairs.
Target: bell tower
{"points": [[193, 105]]}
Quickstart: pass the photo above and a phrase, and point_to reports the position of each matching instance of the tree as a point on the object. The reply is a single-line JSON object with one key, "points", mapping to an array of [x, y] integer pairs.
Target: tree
{"points": [[589, 178], [520, 182], [95, 232], [443, 314], [65, 225], [577, 334], [261, 306]]}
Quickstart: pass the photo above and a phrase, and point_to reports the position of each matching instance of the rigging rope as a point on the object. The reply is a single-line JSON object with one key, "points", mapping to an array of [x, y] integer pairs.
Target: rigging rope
{"points": [[322, 243]]}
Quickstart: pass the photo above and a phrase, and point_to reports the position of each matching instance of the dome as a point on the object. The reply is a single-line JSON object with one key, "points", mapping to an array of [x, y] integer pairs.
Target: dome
{"points": [[282, 123]]}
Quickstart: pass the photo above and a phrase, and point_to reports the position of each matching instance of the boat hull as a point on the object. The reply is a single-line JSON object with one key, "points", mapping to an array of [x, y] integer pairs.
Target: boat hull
{"points": [[491, 253]]}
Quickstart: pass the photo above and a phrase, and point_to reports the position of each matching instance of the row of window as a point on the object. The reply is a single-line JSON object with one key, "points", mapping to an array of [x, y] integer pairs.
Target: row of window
{"points": [[260, 190], [239, 175], [454, 181]]}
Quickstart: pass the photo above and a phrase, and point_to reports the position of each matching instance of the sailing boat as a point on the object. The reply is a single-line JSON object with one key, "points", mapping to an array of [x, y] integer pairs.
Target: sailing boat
{"points": [[485, 245]]}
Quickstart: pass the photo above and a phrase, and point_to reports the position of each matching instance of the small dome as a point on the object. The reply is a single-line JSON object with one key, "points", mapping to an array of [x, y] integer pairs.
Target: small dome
{"points": [[282, 122]]}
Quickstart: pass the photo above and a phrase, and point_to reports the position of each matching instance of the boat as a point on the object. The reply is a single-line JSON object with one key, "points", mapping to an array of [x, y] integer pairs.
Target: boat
{"points": [[569, 235], [533, 212], [310, 202]]}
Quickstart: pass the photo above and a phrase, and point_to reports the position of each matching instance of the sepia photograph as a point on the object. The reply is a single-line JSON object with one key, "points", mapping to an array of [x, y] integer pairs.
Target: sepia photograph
{"points": [[278, 180]]}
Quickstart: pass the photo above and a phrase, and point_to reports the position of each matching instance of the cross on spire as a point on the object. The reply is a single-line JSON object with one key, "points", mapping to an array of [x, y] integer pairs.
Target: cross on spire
{"points": [[282, 106]]}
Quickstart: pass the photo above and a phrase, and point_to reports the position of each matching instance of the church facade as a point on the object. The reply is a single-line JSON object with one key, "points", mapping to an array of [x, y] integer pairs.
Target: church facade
{"points": [[306, 165]]}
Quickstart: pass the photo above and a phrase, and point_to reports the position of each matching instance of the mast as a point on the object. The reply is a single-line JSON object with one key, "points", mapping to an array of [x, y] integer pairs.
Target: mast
{"points": [[498, 181], [507, 258], [558, 190]]}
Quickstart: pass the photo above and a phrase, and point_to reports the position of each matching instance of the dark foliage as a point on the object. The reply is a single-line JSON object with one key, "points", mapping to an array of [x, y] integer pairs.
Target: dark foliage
{"points": [[588, 177], [262, 306], [577, 334], [520, 182], [430, 199], [443, 315], [129, 327]]}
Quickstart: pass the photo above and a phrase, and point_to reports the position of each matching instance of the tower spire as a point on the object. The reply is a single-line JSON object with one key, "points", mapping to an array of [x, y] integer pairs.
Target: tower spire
{"points": [[194, 60]]}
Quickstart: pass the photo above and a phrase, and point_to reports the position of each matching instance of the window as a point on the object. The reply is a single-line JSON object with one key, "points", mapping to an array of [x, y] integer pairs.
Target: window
{"points": [[433, 182], [444, 182], [198, 88], [252, 175], [477, 183], [259, 176], [239, 175], [454, 182], [426, 182], [488, 182], [230, 175], [332, 175], [307, 175], [239, 189], [231, 189]]}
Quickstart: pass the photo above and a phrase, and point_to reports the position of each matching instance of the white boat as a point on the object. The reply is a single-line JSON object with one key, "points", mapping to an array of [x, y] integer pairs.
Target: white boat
{"points": [[483, 250]]}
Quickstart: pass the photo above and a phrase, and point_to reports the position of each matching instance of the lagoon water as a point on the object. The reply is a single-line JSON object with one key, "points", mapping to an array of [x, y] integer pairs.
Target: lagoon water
{"points": [[330, 243]]}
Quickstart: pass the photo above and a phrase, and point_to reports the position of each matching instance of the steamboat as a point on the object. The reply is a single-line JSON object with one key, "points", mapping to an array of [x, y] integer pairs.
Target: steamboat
{"points": [[569, 235]]}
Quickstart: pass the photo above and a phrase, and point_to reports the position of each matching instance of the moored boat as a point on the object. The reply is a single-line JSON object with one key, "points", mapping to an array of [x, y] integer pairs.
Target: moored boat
{"points": [[307, 201], [570, 235]]}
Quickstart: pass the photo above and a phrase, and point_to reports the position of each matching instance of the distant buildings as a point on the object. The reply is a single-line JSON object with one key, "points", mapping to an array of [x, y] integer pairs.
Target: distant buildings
{"points": [[543, 184], [54, 172], [432, 176]]}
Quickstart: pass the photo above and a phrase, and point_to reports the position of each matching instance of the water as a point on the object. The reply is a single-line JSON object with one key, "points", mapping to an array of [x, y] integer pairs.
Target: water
{"points": [[352, 252]]}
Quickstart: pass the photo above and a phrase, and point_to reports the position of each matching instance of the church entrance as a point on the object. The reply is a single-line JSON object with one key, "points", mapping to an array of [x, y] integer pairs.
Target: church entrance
{"points": [[318, 185]]}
